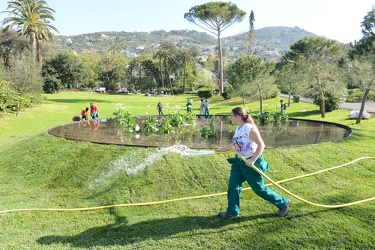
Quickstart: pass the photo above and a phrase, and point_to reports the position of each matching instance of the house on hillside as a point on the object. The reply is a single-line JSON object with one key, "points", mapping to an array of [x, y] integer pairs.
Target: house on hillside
{"points": [[202, 58]]}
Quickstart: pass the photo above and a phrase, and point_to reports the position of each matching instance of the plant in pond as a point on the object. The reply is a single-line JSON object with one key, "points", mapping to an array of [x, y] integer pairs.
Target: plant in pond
{"points": [[275, 117], [262, 117], [278, 117], [186, 132], [284, 118], [227, 119], [124, 120], [166, 126], [189, 118], [177, 119], [150, 124], [209, 130]]}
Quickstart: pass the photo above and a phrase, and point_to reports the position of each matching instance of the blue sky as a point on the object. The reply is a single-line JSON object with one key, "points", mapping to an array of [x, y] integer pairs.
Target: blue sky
{"points": [[334, 19]]}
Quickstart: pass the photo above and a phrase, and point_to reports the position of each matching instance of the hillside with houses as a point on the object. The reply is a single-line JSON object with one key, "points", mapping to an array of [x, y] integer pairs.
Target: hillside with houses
{"points": [[270, 42]]}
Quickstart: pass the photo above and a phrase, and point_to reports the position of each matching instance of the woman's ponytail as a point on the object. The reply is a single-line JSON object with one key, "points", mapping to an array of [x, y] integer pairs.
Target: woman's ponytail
{"points": [[243, 114]]}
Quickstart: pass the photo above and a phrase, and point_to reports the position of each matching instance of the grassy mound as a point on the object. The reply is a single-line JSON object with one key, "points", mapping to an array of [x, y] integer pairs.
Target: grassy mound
{"points": [[41, 171]]}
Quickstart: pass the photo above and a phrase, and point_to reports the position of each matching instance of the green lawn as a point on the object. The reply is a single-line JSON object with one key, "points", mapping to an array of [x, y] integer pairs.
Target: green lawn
{"points": [[42, 171]]}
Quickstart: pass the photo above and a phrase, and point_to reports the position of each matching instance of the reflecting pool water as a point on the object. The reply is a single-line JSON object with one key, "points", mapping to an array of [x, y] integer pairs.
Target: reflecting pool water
{"points": [[294, 132]]}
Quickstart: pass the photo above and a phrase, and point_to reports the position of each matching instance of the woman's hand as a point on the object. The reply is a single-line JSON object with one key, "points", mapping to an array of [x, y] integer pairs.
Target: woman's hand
{"points": [[218, 150], [250, 162], [224, 149]]}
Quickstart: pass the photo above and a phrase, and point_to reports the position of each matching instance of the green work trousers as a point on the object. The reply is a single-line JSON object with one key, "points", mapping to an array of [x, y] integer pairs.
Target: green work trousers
{"points": [[240, 173], [206, 112]]}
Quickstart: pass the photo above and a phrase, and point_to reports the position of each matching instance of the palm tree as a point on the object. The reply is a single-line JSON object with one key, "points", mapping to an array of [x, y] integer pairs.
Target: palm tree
{"points": [[169, 53], [31, 18], [160, 55], [185, 57], [44, 34], [168, 56]]}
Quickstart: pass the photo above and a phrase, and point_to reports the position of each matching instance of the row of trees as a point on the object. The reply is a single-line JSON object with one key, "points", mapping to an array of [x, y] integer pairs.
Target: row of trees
{"points": [[314, 66], [169, 68]]}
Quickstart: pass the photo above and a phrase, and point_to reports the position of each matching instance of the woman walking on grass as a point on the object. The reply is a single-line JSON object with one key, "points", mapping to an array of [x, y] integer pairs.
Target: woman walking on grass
{"points": [[248, 142]]}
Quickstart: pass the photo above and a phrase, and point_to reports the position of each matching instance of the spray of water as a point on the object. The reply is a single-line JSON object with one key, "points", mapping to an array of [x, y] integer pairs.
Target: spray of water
{"points": [[134, 163]]}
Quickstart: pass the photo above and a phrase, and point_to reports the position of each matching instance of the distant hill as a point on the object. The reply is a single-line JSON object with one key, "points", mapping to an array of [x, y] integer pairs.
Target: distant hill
{"points": [[271, 42]]}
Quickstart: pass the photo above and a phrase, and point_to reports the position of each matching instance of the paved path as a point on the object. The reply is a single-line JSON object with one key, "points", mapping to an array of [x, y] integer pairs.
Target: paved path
{"points": [[369, 107]]}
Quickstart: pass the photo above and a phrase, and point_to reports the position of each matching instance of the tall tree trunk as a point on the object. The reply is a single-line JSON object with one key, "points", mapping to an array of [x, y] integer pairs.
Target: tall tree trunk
{"points": [[140, 79], [322, 98], [167, 74], [184, 82], [33, 43], [18, 106], [322, 105], [161, 73], [260, 99], [40, 54], [359, 118], [221, 68]]}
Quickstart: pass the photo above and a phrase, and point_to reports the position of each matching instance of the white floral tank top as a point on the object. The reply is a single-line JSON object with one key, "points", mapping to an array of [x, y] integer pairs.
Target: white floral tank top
{"points": [[242, 142]]}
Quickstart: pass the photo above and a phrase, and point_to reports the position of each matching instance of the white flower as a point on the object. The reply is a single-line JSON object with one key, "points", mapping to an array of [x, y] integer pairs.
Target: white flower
{"points": [[137, 128]]}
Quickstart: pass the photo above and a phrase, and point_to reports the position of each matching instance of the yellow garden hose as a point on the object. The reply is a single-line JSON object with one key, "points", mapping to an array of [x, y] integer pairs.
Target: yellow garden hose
{"points": [[304, 200], [212, 195]]}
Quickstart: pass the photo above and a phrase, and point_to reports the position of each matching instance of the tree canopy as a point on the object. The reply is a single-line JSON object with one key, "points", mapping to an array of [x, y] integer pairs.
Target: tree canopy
{"points": [[252, 76], [318, 58], [215, 17]]}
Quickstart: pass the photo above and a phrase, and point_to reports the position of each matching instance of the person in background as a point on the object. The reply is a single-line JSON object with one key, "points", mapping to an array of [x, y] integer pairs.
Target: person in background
{"points": [[160, 108], [84, 114], [248, 143], [282, 106], [202, 108], [189, 105], [206, 108], [94, 111]]}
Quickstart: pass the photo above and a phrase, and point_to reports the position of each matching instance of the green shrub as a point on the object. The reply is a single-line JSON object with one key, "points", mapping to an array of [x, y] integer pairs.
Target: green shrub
{"points": [[177, 91], [331, 102], [356, 95], [228, 90], [204, 93], [8, 98], [163, 90]]}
